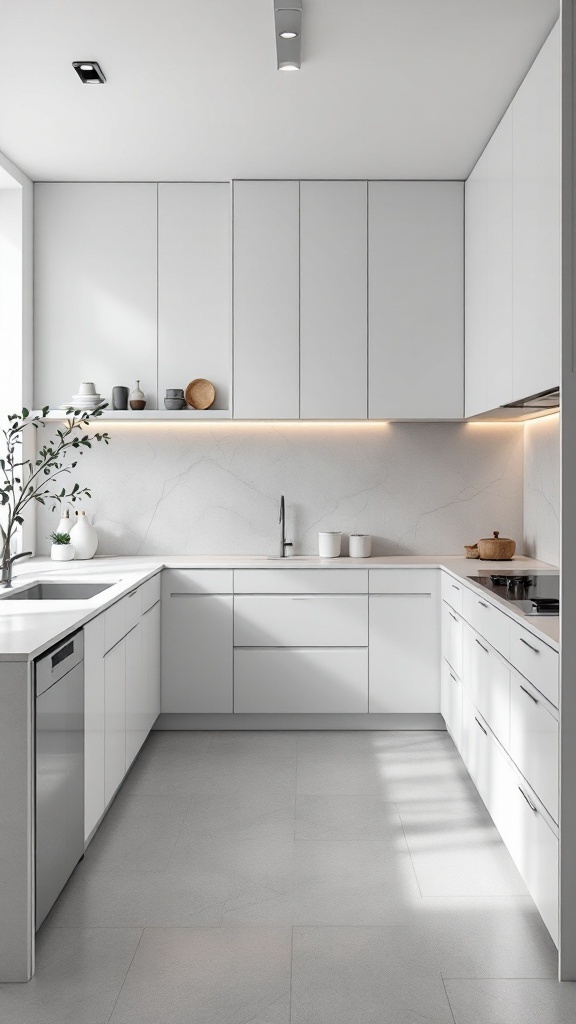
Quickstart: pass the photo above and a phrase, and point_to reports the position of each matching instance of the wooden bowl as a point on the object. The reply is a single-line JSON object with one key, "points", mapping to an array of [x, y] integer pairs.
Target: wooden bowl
{"points": [[200, 393]]}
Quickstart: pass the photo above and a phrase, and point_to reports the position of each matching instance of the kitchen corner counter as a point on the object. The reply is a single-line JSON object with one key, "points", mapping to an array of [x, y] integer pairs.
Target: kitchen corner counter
{"points": [[26, 630]]}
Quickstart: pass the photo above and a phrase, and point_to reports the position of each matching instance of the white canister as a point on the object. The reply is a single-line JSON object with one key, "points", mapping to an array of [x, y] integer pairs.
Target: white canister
{"points": [[360, 545], [329, 545], [84, 537]]}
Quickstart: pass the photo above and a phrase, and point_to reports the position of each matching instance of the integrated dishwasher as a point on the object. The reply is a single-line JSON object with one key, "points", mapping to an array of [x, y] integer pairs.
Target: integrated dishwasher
{"points": [[59, 682]]}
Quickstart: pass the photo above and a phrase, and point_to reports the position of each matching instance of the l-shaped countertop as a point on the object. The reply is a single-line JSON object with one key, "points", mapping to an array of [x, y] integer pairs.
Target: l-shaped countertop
{"points": [[27, 630]]}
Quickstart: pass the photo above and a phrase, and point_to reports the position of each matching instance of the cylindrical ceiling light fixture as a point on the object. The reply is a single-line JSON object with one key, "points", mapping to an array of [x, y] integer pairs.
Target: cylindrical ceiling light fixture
{"points": [[288, 23]]}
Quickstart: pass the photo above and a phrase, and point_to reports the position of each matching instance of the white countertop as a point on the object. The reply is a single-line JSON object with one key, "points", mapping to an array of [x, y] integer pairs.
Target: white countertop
{"points": [[27, 630]]}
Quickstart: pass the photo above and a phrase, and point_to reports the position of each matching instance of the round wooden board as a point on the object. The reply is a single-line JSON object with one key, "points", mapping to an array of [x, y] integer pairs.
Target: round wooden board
{"points": [[200, 393]]}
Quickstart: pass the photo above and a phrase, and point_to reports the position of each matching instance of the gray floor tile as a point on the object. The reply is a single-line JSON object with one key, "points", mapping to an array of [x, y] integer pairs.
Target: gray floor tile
{"points": [[208, 976], [142, 843], [268, 863], [256, 816], [364, 816], [343, 976], [79, 974], [168, 762], [122, 899], [497, 1001], [345, 883], [457, 851]]}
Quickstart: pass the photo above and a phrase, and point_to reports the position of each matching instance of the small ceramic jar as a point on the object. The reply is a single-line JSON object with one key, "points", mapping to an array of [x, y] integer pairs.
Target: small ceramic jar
{"points": [[329, 545]]}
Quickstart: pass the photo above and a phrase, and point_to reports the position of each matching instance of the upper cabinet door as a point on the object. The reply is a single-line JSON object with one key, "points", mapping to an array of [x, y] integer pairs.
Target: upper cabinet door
{"points": [[489, 275], [416, 295], [195, 287], [94, 288], [333, 300], [536, 219], [266, 299]]}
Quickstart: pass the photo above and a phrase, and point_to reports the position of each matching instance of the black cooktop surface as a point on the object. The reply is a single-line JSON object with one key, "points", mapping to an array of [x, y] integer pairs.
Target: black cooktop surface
{"points": [[535, 593]]}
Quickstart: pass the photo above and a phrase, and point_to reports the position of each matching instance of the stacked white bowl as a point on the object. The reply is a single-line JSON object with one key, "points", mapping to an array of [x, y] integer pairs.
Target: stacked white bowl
{"points": [[87, 398]]}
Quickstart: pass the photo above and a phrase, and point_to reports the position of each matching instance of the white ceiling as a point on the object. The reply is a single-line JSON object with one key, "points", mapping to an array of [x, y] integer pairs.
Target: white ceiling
{"points": [[388, 88]]}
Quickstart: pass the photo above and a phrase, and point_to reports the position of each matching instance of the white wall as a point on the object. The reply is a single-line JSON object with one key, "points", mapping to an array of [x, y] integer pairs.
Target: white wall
{"points": [[542, 489], [215, 488]]}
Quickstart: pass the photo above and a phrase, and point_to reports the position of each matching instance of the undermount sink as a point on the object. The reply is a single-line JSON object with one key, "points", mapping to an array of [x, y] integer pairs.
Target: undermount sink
{"points": [[57, 591]]}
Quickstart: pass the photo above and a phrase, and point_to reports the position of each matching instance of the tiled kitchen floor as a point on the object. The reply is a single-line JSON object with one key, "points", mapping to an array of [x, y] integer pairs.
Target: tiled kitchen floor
{"points": [[311, 878]]}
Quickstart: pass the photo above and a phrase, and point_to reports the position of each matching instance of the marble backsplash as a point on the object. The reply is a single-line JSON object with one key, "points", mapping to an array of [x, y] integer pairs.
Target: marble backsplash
{"points": [[542, 489], [418, 488]]}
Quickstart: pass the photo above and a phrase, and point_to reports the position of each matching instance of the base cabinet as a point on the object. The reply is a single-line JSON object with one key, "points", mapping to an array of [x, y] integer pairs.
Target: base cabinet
{"points": [[451, 702], [94, 723], [301, 680], [197, 650], [404, 653], [114, 719]]}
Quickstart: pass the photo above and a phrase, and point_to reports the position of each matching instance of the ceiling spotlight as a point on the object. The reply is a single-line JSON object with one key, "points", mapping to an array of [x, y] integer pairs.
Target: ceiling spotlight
{"points": [[89, 72], [288, 22]]}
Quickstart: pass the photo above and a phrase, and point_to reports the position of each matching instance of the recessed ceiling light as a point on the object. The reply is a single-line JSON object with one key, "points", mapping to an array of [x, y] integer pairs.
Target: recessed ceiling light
{"points": [[288, 24], [89, 72]]}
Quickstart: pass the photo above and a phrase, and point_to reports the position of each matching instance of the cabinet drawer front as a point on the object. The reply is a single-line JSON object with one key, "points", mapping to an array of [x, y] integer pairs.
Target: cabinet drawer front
{"points": [[534, 742], [452, 592], [304, 681], [300, 581], [133, 602], [114, 624], [451, 703], [304, 621], [196, 581], [403, 581], [535, 660], [487, 620], [150, 592], [452, 638], [486, 680]]}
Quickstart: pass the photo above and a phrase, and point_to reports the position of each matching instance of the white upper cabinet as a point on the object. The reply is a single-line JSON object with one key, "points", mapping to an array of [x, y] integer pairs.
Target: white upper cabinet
{"points": [[333, 297], [266, 299], [536, 219], [94, 288], [416, 286], [195, 287], [488, 204]]}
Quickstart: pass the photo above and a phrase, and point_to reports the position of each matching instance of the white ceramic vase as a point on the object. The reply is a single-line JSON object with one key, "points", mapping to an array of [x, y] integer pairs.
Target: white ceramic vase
{"points": [[65, 523], [84, 537], [62, 552]]}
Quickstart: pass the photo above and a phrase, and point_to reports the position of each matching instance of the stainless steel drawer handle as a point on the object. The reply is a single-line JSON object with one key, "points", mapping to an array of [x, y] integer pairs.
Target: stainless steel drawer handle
{"points": [[133, 594], [482, 604], [526, 644], [528, 801], [454, 587], [481, 726], [453, 617], [528, 694], [453, 677], [485, 649]]}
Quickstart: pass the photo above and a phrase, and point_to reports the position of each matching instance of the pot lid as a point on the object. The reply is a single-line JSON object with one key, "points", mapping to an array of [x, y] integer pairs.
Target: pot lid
{"points": [[496, 536]]}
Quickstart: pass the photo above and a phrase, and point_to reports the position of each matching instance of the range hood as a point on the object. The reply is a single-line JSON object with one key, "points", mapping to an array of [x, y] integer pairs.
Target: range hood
{"points": [[544, 401]]}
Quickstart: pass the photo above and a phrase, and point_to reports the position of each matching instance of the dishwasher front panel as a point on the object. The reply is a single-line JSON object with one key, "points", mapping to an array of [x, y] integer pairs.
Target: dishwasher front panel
{"points": [[59, 786]]}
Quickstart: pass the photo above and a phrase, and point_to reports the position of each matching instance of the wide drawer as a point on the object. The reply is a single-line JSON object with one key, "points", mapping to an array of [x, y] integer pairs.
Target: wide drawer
{"points": [[403, 581], [486, 680], [150, 592], [197, 581], [301, 581], [114, 624], [535, 660], [452, 592], [487, 620], [534, 741], [133, 602], [452, 638], [300, 621], [303, 681]]}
